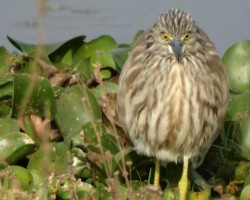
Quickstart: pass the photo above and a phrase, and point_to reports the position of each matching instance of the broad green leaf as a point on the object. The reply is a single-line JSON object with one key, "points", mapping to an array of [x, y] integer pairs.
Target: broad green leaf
{"points": [[84, 190], [83, 68], [245, 193], [109, 143], [7, 60], [98, 50], [53, 50], [202, 195], [15, 146], [33, 95], [19, 176], [242, 171], [6, 89], [66, 48], [8, 125], [236, 60], [76, 106], [103, 88], [137, 37], [22, 46], [120, 56], [238, 106], [51, 160], [245, 137]]}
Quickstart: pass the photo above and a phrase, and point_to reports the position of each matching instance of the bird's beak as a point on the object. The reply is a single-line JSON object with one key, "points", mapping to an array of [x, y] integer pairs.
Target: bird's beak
{"points": [[177, 47]]}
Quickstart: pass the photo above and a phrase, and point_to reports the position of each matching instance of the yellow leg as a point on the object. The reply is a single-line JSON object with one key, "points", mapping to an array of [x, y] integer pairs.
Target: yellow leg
{"points": [[157, 173], [183, 183]]}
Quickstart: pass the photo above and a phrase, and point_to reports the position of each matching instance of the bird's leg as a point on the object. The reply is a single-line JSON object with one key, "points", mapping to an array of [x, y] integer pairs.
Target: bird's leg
{"points": [[183, 183], [157, 173]]}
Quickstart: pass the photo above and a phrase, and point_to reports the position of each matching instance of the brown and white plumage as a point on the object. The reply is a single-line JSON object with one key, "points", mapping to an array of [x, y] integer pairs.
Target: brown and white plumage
{"points": [[173, 90]]}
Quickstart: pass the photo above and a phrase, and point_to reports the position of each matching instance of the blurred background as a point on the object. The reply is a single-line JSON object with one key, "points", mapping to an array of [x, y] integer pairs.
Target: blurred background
{"points": [[225, 21]]}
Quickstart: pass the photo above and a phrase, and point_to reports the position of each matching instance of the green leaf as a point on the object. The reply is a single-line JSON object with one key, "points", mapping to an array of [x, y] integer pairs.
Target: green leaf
{"points": [[51, 160], [8, 125], [7, 59], [33, 95], [6, 89], [245, 193], [19, 176], [64, 51], [83, 67], [242, 170], [76, 106], [98, 50], [202, 195], [236, 60], [105, 87], [245, 137], [53, 50], [238, 106], [137, 36], [120, 56], [15, 146]]}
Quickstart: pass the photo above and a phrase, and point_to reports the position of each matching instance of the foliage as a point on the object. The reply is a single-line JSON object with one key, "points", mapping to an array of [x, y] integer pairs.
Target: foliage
{"points": [[60, 138]]}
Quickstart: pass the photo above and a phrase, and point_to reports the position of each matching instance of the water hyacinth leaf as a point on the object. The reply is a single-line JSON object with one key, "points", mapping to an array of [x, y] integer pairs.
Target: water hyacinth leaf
{"points": [[137, 37], [245, 193], [120, 56], [105, 87], [6, 61], [82, 67], [33, 95], [242, 171], [238, 106], [15, 146], [76, 106], [20, 177], [52, 159], [22, 46], [98, 50], [245, 137], [6, 89], [117, 160], [236, 60], [202, 195], [84, 190], [68, 48], [53, 50], [109, 143], [8, 125]]}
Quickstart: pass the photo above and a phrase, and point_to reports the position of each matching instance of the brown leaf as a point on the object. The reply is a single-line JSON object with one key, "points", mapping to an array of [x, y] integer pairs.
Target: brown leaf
{"points": [[60, 79], [42, 128], [97, 72], [109, 107], [48, 69]]}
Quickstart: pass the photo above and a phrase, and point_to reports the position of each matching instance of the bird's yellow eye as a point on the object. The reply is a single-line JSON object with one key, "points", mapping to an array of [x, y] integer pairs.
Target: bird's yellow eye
{"points": [[186, 37], [166, 37]]}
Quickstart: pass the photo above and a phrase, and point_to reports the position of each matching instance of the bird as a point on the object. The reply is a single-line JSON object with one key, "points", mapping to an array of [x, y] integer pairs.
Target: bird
{"points": [[173, 93]]}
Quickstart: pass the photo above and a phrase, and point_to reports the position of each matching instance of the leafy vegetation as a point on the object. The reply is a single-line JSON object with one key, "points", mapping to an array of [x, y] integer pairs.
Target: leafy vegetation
{"points": [[60, 138]]}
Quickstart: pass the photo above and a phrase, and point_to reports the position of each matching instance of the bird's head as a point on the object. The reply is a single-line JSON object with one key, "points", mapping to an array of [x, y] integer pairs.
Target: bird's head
{"points": [[176, 33]]}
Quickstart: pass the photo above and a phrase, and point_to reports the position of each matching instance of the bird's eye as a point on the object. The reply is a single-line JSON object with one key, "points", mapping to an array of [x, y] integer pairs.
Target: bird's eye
{"points": [[166, 37], [186, 37]]}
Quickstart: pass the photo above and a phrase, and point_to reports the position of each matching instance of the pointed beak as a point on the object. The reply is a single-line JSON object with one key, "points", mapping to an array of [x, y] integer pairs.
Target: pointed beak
{"points": [[177, 47]]}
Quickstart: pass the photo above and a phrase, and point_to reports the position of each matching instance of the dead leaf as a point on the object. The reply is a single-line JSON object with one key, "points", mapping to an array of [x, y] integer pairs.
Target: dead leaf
{"points": [[48, 69], [97, 72], [42, 128], [59, 79], [109, 107]]}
